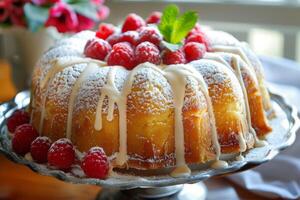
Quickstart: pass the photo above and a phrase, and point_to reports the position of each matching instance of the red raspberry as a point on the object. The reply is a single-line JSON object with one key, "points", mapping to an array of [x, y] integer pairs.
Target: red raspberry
{"points": [[194, 51], [150, 34], [122, 54], [97, 48], [199, 37], [105, 30], [196, 29], [132, 23], [130, 37], [147, 52], [23, 137], [61, 154], [18, 118], [113, 39], [95, 163], [39, 149], [173, 57], [154, 18]]}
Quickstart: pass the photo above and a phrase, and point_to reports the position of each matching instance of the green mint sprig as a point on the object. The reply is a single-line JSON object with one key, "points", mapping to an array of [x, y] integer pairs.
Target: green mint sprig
{"points": [[173, 27]]}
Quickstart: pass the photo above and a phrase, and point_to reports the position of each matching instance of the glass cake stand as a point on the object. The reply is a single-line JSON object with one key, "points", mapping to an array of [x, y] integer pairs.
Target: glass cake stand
{"points": [[122, 186]]}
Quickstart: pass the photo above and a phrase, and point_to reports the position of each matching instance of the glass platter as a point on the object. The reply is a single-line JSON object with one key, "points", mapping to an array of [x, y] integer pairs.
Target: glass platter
{"points": [[283, 135]]}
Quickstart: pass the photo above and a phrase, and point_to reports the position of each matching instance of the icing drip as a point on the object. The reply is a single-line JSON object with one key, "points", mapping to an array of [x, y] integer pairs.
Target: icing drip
{"points": [[184, 71], [90, 69], [236, 67], [176, 76], [58, 65], [240, 157], [234, 50], [219, 164], [178, 83]]}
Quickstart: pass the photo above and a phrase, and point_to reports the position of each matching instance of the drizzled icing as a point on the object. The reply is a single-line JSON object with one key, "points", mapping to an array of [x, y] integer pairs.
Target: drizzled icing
{"points": [[239, 54], [176, 75], [91, 68]]}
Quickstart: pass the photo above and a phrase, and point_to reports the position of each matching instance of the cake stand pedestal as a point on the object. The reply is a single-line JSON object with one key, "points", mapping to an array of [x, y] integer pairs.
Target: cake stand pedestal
{"points": [[163, 186], [176, 192]]}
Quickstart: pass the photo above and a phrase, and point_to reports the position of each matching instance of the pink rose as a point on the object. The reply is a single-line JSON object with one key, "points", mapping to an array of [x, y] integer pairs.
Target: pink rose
{"points": [[62, 17], [44, 2], [4, 11], [84, 23], [103, 12]]}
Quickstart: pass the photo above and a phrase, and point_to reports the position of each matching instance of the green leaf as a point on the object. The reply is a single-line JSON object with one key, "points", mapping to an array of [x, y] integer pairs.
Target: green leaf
{"points": [[86, 9], [183, 25], [170, 46], [168, 18], [175, 28], [36, 16]]}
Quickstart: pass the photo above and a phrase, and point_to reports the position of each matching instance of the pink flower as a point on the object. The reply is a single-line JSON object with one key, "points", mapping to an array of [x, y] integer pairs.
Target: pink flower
{"points": [[62, 17], [103, 12], [84, 23], [16, 11], [44, 2], [4, 11], [98, 2]]}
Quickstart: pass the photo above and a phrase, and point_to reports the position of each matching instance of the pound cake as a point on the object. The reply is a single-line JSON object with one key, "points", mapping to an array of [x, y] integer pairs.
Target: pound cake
{"points": [[160, 93]]}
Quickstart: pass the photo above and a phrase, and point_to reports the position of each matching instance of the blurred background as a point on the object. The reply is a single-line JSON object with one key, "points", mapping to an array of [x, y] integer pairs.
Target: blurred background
{"points": [[29, 27], [272, 27]]}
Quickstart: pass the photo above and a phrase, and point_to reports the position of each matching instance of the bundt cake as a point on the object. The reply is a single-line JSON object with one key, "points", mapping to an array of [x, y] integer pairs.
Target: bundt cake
{"points": [[147, 105]]}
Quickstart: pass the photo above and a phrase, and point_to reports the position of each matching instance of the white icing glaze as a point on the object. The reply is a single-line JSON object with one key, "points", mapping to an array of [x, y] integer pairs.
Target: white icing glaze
{"points": [[240, 157], [238, 53], [91, 68], [176, 76], [57, 66], [219, 164]]}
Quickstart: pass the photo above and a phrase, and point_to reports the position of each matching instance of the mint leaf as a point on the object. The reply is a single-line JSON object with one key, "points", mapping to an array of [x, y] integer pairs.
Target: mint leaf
{"points": [[173, 27], [86, 9], [170, 46], [36, 16], [183, 25], [168, 18]]}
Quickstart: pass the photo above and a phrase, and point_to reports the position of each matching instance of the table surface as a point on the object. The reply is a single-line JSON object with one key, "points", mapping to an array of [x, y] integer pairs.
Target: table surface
{"points": [[19, 182]]}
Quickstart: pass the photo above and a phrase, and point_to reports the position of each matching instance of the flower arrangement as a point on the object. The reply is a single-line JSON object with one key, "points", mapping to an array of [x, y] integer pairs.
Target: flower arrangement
{"points": [[67, 16]]}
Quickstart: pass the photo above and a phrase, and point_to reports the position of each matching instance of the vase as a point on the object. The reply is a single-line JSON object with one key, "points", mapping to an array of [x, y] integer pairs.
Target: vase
{"points": [[22, 49]]}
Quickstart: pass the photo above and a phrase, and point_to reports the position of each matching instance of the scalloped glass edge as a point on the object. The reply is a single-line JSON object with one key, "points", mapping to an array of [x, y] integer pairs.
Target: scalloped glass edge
{"points": [[130, 181]]}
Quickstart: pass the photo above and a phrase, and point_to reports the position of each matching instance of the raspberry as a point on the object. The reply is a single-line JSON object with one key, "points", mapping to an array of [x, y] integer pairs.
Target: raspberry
{"points": [[199, 37], [132, 23], [105, 30], [150, 34], [154, 18], [18, 118], [196, 29], [61, 154], [173, 57], [95, 163], [147, 52], [97, 48], [23, 137], [194, 51], [130, 37], [122, 54], [39, 149], [113, 39]]}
